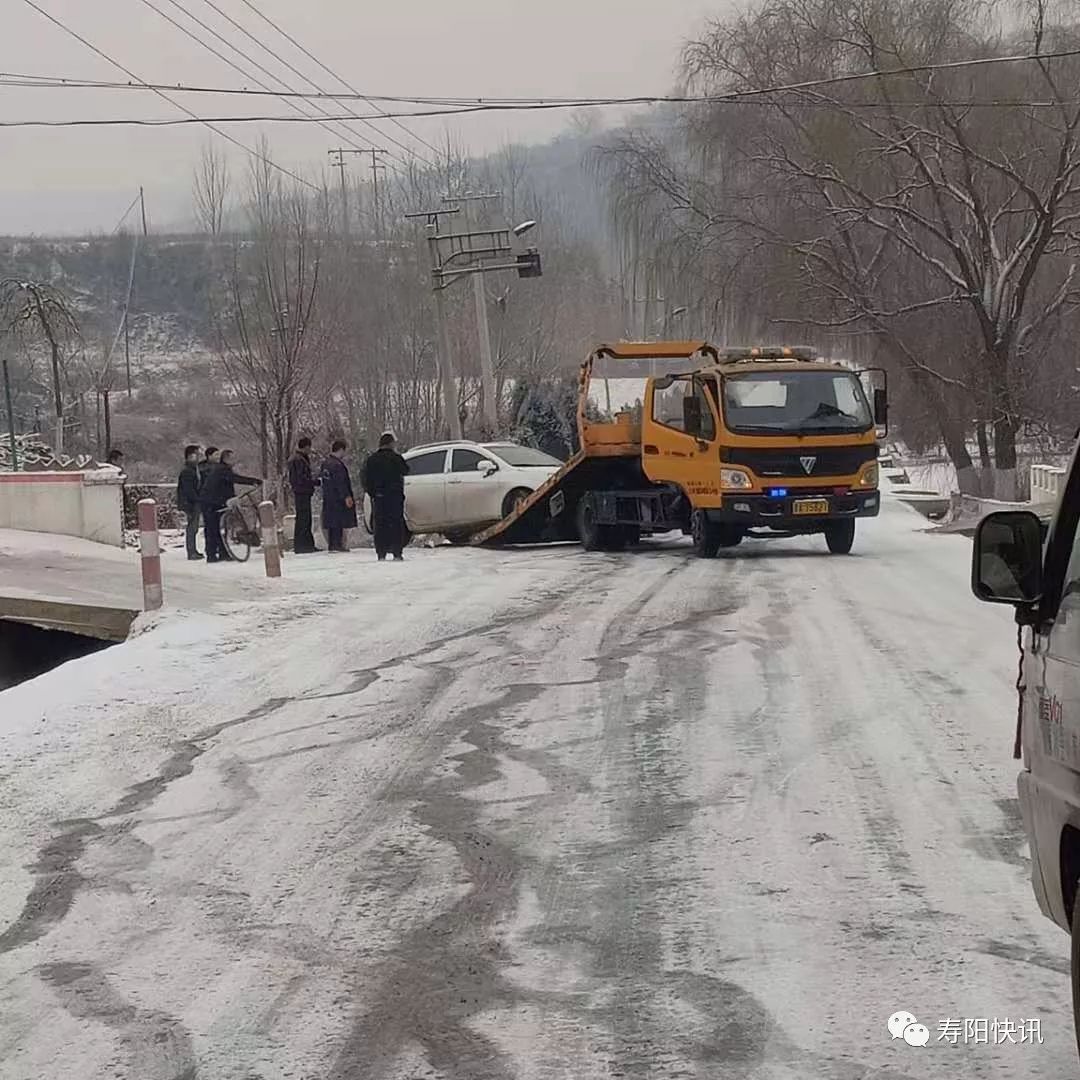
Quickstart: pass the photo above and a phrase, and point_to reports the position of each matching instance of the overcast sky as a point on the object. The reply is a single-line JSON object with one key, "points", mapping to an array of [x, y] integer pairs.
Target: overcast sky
{"points": [[69, 179]]}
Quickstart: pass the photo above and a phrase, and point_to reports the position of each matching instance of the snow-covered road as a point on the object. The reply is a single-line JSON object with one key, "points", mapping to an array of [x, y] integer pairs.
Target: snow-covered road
{"points": [[533, 814]]}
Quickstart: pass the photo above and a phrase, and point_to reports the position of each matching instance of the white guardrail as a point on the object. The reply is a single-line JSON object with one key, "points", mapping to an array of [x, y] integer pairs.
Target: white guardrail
{"points": [[1047, 483]]}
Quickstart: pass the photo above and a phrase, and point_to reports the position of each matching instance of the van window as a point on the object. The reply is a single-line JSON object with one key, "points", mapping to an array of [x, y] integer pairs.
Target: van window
{"points": [[1072, 572]]}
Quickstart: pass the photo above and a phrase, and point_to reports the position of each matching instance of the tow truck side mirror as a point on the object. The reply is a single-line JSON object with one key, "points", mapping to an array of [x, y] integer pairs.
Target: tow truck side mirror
{"points": [[691, 410], [881, 408], [1007, 560]]}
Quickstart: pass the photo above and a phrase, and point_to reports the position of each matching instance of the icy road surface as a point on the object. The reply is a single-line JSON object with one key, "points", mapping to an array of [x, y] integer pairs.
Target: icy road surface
{"points": [[533, 814]]}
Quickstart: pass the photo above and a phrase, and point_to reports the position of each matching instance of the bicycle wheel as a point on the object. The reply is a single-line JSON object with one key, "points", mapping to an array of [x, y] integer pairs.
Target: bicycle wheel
{"points": [[235, 535]]}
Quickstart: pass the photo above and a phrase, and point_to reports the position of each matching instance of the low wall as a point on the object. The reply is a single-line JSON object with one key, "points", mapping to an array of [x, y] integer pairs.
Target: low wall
{"points": [[1047, 482], [85, 504]]}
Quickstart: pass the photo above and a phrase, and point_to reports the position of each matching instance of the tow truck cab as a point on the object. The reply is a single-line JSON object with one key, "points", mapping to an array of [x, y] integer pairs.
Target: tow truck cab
{"points": [[768, 439], [1033, 564]]}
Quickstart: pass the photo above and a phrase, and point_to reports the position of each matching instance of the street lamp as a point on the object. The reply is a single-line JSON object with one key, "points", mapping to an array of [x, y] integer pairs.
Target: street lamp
{"points": [[524, 227], [665, 322]]}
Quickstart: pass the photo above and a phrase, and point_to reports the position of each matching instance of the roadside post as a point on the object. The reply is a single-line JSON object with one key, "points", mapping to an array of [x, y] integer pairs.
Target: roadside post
{"points": [[271, 550], [150, 555]]}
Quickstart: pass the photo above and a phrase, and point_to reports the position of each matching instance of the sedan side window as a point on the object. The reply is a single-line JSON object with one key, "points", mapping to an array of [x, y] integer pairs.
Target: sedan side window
{"points": [[466, 461], [427, 464]]}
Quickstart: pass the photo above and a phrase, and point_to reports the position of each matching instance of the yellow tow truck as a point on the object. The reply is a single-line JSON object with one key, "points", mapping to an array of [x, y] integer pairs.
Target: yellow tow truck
{"points": [[717, 443]]}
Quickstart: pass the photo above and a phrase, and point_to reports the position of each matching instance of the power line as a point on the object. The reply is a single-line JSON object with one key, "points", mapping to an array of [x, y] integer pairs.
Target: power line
{"points": [[161, 93], [306, 119], [127, 213], [236, 67], [494, 102], [333, 74], [296, 71]]}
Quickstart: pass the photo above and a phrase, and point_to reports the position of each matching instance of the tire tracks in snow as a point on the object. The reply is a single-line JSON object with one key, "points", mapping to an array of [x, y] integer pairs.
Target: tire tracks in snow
{"points": [[81, 986]]}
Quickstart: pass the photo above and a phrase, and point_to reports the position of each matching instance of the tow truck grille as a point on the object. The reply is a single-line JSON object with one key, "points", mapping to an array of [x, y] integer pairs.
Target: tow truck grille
{"points": [[826, 460]]}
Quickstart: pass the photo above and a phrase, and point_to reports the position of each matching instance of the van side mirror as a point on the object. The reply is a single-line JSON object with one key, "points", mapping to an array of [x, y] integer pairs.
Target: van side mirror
{"points": [[1007, 560], [881, 408], [691, 411]]}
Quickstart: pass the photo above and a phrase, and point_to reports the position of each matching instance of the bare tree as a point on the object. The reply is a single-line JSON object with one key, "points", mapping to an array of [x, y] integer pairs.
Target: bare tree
{"points": [[896, 209], [36, 308], [269, 330], [210, 190]]}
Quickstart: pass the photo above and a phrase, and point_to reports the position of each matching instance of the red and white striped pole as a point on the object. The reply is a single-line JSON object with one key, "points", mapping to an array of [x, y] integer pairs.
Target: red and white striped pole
{"points": [[271, 550], [150, 552]]}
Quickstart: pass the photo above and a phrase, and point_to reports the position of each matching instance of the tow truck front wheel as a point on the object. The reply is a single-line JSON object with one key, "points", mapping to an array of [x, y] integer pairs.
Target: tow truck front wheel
{"points": [[707, 535], [840, 535]]}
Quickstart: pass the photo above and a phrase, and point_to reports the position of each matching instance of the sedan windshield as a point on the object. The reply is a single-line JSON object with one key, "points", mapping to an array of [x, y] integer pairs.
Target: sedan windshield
{"points": [[525, 457], [775, 402]]}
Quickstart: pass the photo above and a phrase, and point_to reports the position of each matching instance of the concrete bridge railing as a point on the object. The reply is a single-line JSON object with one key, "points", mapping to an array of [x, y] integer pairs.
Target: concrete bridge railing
{"points": [[85, 504], [1047, 483]]}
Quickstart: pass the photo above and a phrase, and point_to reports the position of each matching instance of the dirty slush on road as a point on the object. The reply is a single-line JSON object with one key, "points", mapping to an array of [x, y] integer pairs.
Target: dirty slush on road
{"points": [[645, 820]]}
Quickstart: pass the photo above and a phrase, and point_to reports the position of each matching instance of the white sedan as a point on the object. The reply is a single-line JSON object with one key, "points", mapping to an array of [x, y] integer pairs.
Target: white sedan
{"points": [[460, 488]]}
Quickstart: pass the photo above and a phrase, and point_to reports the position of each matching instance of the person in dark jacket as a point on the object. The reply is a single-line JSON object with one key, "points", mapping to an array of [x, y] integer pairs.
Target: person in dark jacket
{"points": [[384, 481], [187, 498], [338, 504], [303, 483], [218, 488], [209, 460]]}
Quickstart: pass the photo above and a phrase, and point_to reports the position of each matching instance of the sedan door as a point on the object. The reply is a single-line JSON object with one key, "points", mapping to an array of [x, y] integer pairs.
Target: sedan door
{"points": [[472, 497], [425, 491]]}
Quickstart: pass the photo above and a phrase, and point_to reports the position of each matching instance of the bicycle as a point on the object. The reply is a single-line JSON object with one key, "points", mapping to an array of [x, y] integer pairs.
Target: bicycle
{"points": [[240, 530]]}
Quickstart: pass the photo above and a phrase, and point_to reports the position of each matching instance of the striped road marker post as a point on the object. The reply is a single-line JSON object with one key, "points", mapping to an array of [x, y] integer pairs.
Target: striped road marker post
{"points": [[271, 551], [150, 552]]}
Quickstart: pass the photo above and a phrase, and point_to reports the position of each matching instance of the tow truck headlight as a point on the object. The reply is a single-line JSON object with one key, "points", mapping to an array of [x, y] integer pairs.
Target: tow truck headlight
{"points": [[869, 477], [735, 480]]}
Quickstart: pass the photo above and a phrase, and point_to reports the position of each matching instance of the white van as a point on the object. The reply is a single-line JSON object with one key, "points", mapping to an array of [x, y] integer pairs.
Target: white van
{"points": [[1034, 565]]}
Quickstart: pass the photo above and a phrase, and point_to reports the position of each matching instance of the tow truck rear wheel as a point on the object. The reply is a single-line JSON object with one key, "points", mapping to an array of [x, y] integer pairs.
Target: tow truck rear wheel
{"points": [[589, 533], [706, 535], [840, 535]]}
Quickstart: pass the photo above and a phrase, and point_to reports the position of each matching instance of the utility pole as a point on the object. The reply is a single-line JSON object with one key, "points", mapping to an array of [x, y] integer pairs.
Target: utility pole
{"points": [[340, 166], [489, 418], [376, 206], [468, 254], [447, 377], [142, 205], [646, 314], [127, 350]]}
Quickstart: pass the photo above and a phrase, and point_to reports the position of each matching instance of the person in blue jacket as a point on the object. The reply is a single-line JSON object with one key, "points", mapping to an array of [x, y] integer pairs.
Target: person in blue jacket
{"points": [[338, 505]]}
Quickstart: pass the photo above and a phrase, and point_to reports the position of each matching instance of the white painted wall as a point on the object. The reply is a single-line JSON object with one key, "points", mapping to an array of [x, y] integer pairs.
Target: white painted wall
{"points": [[85, 504]]}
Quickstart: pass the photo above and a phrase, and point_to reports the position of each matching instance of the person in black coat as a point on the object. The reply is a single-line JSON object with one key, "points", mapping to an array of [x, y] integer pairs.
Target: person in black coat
{"points": [[187, 498], [209, 460], [384, 481], [218, 488], [303, 483], [338, 504]]}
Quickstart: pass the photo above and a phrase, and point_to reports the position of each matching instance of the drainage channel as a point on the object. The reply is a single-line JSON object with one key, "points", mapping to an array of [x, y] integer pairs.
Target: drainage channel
{"points": [[37, 636]]}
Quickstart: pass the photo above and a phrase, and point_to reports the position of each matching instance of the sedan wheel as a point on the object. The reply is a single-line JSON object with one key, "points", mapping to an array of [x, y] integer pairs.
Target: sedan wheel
{"points": [[514, 499]]}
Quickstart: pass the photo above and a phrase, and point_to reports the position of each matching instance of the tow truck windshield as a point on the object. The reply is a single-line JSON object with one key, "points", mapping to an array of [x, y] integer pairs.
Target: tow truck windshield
{"points": [[781, 402]]}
